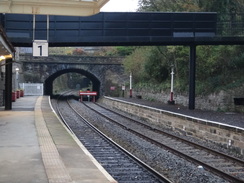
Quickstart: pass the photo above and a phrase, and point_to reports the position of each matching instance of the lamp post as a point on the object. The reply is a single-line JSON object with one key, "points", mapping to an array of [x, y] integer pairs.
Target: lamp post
{"points": [[16, 78], [171, 100], [123, 90]]}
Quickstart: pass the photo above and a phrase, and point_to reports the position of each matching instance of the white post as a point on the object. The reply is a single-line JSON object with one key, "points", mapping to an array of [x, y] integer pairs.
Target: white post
{"points": [[172, 80], [171, 101], [130, 85]]}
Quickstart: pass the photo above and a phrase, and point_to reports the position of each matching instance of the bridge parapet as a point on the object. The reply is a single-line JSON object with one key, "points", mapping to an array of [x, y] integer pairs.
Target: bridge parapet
{"points": [[102, 71], [71, 59]]}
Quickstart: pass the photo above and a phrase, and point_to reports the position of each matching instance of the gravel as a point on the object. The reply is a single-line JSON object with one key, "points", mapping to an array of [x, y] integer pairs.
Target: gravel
{"points": [[177, 169]]}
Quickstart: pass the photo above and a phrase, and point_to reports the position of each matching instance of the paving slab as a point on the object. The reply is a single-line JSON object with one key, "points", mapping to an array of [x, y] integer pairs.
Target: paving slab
{"points": [[20, 156]]}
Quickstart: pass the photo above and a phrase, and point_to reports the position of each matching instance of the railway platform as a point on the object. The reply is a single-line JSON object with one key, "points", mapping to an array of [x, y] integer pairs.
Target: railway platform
{"points": [[227, 118], [35, 147]]}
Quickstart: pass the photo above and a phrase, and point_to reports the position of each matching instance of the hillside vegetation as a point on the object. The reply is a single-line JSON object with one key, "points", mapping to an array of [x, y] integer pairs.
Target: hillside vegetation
{"points": [[218, 67]]}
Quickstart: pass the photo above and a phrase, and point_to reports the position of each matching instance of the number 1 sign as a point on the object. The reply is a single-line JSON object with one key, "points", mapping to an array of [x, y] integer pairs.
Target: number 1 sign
{"points": [[40, 48]]}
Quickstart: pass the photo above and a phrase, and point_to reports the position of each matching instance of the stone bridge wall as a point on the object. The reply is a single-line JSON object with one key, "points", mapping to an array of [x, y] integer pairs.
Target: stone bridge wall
{"points": [[108, 70]]}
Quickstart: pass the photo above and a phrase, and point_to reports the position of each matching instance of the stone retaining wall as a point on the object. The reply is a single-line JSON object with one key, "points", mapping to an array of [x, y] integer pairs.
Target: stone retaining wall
{"points": [[224, 135], [218, 101]]}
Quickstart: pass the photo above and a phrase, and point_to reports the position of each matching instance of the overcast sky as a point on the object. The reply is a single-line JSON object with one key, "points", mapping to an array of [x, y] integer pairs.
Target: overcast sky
{"points": [[120, 6]]}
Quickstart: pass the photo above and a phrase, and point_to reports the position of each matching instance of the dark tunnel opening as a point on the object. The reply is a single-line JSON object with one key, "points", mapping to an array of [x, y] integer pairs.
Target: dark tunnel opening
{"points": [[49, 82]]}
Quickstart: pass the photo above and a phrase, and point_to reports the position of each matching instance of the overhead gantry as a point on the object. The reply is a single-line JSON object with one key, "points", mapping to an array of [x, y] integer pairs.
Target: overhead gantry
{"points": [[53, 7]]}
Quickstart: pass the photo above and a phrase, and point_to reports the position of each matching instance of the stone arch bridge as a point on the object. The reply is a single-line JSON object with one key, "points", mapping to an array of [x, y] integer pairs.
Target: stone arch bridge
{"points": [[103, 72]]}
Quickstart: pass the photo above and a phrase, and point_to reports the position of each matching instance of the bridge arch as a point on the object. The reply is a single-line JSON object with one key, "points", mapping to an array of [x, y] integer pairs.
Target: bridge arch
{"points": [[48, 83]]}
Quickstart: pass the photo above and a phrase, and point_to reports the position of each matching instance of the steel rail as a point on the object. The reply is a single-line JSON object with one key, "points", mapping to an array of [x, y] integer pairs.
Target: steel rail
{"points": [[207, 166], [157, 174], [154, 172], [231, 158]]}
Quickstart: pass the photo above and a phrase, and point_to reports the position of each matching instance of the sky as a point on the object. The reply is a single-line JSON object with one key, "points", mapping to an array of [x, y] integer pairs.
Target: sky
{"points": [[120, 6]]}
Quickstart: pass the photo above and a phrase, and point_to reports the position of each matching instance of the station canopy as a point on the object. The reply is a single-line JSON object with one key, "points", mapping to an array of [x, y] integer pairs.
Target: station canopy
{"points": [[52, 7], [6, 48], [45, 7]]}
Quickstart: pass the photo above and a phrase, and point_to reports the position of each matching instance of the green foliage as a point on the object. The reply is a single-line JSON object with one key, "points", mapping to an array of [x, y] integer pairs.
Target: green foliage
{"points": [[168, 6], [147, 64], [218, 67], [220, 6], [134, 63], [124, 50], [118, 51], [60, 50], [155, 66], [178, 57], [228, 11]]}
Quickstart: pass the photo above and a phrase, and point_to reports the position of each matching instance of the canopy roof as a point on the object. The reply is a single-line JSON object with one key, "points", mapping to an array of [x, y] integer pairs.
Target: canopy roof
{"points": [[6, 47], [52, 7]]}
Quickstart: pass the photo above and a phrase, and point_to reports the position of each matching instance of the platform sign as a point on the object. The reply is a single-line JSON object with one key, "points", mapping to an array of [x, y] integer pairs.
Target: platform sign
{"points": [[40, 48]]}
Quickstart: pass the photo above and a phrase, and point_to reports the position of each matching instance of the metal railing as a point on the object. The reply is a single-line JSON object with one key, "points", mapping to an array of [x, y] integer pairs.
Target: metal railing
{"points": [[35, 89]]}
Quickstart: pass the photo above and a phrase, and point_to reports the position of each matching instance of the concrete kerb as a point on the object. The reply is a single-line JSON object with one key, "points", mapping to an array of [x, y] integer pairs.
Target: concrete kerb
{"points": [[83, 148]]}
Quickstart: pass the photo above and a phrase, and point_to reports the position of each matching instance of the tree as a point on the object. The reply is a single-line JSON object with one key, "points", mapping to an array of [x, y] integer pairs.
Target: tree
{"points": [[220, 6], [216, 65], [156, 66], [149, 64], [124, 50], [168, 6], [134, 63]]}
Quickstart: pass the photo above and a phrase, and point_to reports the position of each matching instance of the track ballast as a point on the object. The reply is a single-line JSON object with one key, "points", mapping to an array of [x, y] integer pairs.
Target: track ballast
{"points": [[124, 167]]}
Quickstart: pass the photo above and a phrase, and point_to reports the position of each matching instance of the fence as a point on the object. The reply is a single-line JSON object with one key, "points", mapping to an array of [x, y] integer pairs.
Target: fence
{"points": [[32, 88], [230, 25]]}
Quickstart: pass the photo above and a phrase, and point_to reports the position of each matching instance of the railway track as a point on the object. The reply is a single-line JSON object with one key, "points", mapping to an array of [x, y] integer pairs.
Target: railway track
{"points": [[122, 165], [230, 168]]}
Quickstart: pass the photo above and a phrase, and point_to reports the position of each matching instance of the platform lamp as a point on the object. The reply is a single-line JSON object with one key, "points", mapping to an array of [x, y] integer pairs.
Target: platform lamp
{"points": [[16, 77], [2, 58]]}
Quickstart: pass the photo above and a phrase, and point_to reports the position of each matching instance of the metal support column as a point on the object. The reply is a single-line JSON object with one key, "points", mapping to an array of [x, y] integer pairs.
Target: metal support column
{"points": [[192, 77], [8, 84]]}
